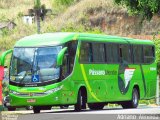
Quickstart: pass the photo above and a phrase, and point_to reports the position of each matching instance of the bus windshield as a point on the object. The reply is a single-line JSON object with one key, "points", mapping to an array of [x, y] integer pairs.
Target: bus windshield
{"points": [[34, 65]]}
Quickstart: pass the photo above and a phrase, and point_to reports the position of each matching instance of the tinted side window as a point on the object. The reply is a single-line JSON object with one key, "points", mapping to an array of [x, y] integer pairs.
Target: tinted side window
{"points": [[72, 47], [98, 52], [68, 60], [137, 54], [112, 53], [125, 53], [148, 54], [86, 52]]}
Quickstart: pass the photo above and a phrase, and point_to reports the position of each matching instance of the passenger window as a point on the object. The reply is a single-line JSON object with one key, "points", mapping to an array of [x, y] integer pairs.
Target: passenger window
{"points": [[148, 54], [112, 53], [86, 53], [125, 53], [98, 52], [137, 54]]}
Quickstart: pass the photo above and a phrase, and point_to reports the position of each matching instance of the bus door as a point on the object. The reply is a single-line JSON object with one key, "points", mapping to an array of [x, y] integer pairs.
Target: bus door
{"points": [[66, 71]]}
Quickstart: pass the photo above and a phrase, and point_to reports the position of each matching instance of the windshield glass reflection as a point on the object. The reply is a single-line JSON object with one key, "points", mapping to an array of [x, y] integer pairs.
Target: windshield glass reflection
{"points": [[34, 64]]}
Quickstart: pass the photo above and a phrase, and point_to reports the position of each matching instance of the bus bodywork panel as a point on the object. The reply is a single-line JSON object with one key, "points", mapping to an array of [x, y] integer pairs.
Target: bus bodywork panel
{"points": [[51, 39]]}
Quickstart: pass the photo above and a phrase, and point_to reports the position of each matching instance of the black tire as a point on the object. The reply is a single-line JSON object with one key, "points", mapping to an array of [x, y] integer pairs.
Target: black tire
{"points": [[78, 105], [134, 102], [84, 101], [36, 110], [96, 106], [11, 109], [81, 101]]}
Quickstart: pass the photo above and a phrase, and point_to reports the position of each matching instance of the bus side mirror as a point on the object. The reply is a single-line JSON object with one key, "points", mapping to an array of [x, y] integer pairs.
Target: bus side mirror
{"points": [[60, 56], [3, 57]]}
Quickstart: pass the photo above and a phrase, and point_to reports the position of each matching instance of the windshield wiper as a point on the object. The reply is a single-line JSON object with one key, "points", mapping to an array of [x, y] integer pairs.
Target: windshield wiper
{"points": [[24, 75], [35, 63]]}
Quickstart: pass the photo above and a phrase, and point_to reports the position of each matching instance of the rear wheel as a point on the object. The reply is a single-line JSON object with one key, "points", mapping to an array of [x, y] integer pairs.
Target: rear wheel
{"points": [[96, 106], [134, 102], [36, 110]]}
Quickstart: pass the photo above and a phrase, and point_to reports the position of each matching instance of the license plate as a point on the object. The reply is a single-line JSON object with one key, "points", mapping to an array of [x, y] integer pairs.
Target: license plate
{"points": [[31, 100]]}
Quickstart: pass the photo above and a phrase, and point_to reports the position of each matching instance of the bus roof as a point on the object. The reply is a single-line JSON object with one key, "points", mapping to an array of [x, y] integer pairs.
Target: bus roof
{"points": [[50, 39]]}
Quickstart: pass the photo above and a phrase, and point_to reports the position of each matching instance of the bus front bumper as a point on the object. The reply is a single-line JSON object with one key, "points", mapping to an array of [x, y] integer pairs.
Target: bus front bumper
{"points": [[31, 100]]}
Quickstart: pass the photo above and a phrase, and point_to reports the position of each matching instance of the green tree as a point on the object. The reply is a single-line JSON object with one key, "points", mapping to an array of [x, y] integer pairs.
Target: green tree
{"points": [[157, 44], [145, 8]]}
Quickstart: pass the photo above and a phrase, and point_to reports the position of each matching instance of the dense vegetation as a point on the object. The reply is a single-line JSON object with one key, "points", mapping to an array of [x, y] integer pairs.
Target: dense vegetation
{"points": [[145, 8], [157, 44]]}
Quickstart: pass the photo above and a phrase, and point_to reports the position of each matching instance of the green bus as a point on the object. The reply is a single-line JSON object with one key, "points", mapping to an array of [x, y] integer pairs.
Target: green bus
{"points": [[81, 69]]}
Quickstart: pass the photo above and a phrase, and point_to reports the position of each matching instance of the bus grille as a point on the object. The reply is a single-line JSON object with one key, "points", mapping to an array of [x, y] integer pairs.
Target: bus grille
{"points": [[31, 94]]}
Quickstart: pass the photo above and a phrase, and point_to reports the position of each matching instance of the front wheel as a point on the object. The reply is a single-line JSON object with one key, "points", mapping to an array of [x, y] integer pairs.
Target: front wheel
{"points": [[81, 100], [78, 105], [134, 102]]}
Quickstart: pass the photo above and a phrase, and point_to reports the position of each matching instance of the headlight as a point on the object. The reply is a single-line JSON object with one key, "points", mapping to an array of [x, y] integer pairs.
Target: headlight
{"points": [[14, 92], [49, 92], [37, 93], [54, 90]]}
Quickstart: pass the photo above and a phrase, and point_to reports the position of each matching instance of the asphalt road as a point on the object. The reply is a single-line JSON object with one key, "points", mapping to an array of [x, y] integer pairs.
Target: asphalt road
{"points": [[142, 113]]}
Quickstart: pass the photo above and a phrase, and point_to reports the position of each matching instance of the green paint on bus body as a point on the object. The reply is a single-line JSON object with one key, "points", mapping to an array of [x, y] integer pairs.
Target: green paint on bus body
{"points": [[103, 82], [50, 39], [88, 85], [86, 80]]}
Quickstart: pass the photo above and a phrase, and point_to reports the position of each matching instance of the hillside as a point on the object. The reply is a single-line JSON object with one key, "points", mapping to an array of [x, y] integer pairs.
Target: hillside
{"points": [[13, 10], [107, 16], [101, 16]]}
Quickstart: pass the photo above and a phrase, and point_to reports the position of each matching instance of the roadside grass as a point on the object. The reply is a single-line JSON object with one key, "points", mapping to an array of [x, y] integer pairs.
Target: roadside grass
{"points": [[10, 9], [8, 40]]}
